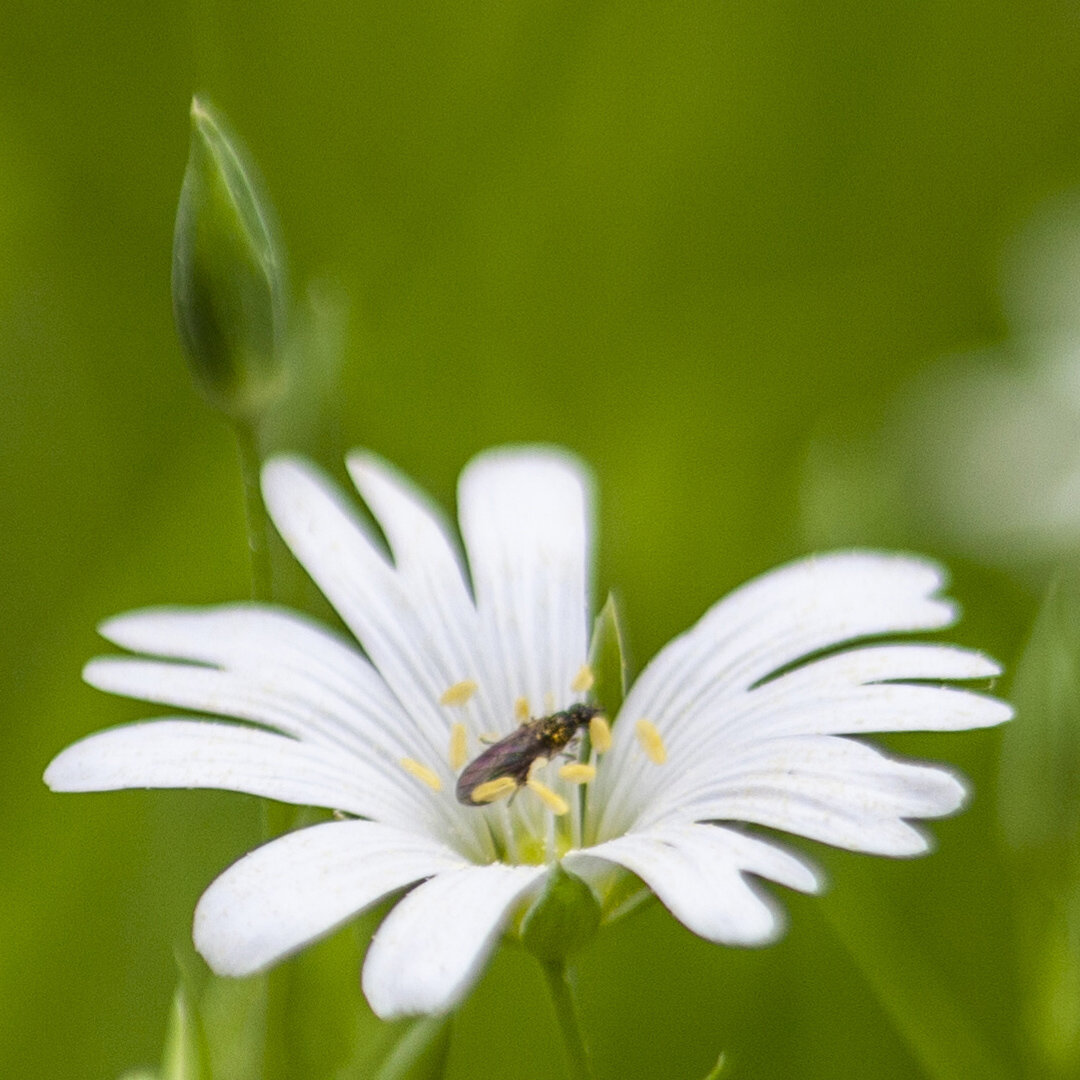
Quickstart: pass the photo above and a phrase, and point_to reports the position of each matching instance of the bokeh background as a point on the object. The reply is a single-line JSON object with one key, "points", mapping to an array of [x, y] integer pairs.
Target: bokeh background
{"points": [[771, 268]]}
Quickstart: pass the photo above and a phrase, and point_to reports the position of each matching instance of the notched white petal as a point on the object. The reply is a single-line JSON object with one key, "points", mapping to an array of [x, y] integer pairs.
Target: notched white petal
{"points": [[525, 517], [432, 946], [418, 534], [301, 886], [763, 627], [895, 663], [203, 754], [835, 790], [699, 873], [417, 624]]}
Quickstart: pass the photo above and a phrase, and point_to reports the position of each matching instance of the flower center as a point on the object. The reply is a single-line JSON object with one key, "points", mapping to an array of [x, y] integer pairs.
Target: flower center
{"points": [[548, 820]]}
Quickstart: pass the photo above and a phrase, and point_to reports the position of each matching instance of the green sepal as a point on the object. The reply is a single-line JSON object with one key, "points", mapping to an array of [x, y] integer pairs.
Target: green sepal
{"points": [[185, 1056], [1040, 759], [718, 1069], [421, 1053], [228, 274], [562, 919], [623, 893], [607, 659]]}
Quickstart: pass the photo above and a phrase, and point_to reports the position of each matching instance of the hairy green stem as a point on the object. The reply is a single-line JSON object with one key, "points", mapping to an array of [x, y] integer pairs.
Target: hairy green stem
{"points": [[561, 998], [258, 523]]}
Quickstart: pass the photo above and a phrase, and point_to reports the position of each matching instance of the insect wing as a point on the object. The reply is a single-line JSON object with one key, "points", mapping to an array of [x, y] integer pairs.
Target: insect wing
{"points": [[510, 756]]}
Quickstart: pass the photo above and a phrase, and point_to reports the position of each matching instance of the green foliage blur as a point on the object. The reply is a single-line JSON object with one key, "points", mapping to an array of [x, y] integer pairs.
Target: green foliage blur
{"points": [[682, 239]]}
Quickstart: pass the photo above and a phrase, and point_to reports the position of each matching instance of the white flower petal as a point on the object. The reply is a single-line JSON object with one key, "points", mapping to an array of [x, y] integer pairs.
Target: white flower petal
{"points": [[790, 613], [888, 707], [771, 622], [780, 708], [698, 872], [892, 663], [430, 948], [203, 754], [301, 886], [277, 699], [330, 691], [272, 696], [405, 640], [425, 558], [525, 521], [831, 789]]}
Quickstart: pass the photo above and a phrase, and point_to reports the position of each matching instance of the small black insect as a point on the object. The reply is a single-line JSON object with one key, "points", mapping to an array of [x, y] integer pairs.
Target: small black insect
{"points": [[513, 755]]}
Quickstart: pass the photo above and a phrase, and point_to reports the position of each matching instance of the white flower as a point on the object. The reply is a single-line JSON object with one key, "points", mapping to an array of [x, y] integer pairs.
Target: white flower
{"points": [[731, 722]]}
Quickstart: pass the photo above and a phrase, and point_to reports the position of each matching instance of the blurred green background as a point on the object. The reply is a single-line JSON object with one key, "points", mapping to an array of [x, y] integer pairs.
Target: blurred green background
{"points": [[707, 245]]}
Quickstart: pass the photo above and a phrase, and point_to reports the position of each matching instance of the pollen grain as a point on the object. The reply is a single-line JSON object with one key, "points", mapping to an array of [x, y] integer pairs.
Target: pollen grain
{"points": [[577, 772], [459, 747], [651, 741], [459, 693], [583, 680], [552, 800], [491, 790], [600, 734], [422, 772]]}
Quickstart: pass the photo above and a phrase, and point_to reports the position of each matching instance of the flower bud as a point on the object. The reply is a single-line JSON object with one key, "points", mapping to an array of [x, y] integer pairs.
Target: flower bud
{"points": [[228, 276], [562, 919]]}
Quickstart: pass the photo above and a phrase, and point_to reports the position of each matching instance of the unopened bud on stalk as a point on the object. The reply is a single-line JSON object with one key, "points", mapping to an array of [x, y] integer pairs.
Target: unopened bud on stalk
{"points": [[228, 275]]}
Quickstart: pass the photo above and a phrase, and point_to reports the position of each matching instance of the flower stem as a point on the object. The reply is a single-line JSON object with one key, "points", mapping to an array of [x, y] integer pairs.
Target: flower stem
{"points": [[258, 523], [561, 998]]}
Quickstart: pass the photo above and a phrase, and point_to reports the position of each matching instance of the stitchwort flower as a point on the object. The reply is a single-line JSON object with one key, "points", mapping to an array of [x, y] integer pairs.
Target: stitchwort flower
{"points": [[746, 719]]}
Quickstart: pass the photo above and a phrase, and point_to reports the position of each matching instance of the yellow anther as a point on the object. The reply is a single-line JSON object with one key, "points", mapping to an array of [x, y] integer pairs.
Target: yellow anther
{"points": [[583, 680], [490, 790], [554, 802], [651, 742], [422, 772], [459, 748], [577, 772], [521, 709], [459, 693], [600, 734]]}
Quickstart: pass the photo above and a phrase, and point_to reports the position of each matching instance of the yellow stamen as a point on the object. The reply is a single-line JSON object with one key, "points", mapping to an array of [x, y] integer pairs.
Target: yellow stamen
{"points": [[459, 693], [554, 802], [577, 772], [521, 710], [537, 764], [490, 790], [422, 772], [459, 748], [651, 742], [600, 734], [583, 680]]}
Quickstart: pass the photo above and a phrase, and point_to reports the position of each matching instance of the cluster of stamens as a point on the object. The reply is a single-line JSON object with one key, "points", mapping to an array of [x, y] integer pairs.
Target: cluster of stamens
{"points": [[504, 786]]}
